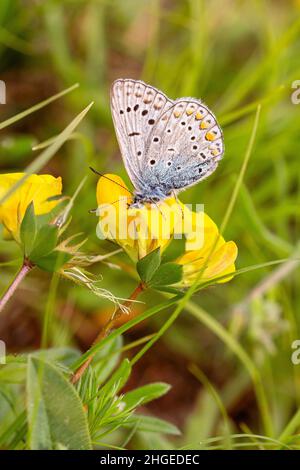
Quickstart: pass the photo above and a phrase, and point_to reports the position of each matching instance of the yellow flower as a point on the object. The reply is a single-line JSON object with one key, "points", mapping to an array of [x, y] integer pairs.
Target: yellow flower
{"points": [[36, 188], [140, 231], [206, 251], [212, 263]]}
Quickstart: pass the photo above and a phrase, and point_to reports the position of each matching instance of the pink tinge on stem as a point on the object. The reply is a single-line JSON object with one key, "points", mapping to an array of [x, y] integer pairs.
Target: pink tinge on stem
{"points": [[25, 268]]}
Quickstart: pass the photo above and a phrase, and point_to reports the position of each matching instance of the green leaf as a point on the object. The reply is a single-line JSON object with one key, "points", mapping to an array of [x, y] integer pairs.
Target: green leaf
{"points": [[63, 355], [106, 360], [144, 394], [174, 249], [167, 274], [56, 418], [15, 368], [170, 290], [53, 261], [149, 424], [12, 373], [28, 229], [147, 266], [47, 218], [45, 242], [118, 379], [14, 433]]}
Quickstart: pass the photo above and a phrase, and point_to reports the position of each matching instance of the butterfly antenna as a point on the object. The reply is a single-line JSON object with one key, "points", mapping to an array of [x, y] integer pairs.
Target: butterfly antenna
{"points": [[110, 179], [94, 211]]}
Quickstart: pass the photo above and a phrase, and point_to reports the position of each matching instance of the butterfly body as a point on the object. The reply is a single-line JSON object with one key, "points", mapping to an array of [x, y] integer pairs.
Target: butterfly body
{"points": [[167, 146]]}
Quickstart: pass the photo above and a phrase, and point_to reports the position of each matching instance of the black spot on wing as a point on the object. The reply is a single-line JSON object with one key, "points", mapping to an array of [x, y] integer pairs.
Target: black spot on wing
{"points": [[132, 134]]}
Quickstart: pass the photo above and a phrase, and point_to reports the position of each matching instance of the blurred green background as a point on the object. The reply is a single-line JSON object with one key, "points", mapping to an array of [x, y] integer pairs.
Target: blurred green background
{"points": [[232, 54]]}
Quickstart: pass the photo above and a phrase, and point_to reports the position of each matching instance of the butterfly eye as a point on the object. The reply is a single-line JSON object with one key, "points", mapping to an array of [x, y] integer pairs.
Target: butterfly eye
{"points": [[156, 139], [152, 162], [169, 163], [155, 199], [144, 112]]}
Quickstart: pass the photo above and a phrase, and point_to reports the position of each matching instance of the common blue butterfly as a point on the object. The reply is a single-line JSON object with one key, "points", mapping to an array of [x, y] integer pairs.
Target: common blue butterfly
{"points": [[166, 145]]}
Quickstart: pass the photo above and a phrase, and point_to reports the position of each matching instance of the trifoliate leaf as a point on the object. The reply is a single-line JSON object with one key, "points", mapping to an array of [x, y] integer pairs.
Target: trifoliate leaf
{"points": [[45, 242], [147, 266], [28, 229], [53, 261], [56, 416], [167, 274]]}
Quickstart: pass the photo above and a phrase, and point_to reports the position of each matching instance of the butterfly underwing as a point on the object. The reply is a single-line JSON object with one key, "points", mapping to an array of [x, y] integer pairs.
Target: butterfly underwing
{"points": [[167, 145]]}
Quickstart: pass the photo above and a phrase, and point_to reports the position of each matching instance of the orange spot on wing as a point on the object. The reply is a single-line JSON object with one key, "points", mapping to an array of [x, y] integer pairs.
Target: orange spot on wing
{"points": [[203, 125], [210, 136], [198, 116]]}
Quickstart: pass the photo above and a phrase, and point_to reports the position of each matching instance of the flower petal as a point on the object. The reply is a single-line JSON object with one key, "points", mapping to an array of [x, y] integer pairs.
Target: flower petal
{"points": [[222, 262], [141, 230], [111, 188], [36, 188]]}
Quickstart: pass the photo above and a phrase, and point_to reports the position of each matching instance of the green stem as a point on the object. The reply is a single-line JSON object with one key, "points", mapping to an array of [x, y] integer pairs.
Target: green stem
{"points": [[291, 427], [105, 332], [234, 346], [24, 270]]}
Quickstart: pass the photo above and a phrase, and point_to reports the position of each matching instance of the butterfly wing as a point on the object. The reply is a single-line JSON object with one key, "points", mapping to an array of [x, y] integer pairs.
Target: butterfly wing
{"points": [[183, 147], [135, 108]]}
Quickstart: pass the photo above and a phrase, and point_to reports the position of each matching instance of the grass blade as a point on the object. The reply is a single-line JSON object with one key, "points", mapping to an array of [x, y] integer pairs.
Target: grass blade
{"points": [[36, 107], [45, 156]]}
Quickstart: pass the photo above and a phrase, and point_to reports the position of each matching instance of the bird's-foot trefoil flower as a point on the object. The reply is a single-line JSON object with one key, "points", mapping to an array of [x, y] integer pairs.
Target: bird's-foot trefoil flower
{"points": [[33, 213], [36, 189], [141, 231], [145, 233]]}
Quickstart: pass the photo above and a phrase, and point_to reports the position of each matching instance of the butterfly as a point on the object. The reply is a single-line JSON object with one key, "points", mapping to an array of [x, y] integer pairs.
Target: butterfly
{"points": [[167, 146]]}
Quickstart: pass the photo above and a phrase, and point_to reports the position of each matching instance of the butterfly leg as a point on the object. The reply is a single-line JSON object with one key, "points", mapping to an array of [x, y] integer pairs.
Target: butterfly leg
{"points": [[178, 202], [157, 207]]}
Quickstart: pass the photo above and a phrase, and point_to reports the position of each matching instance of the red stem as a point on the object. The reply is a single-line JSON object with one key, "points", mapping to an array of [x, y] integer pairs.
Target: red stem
{"points": [[25, 268], [105, 332]]}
